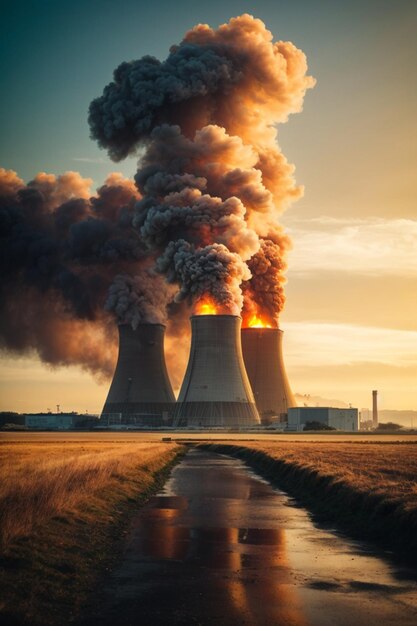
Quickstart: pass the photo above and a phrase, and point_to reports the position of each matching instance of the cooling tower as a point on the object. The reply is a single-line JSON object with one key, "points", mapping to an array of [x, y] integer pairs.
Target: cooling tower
{"points": [[262, 353], [140, 385], [216, 389]]}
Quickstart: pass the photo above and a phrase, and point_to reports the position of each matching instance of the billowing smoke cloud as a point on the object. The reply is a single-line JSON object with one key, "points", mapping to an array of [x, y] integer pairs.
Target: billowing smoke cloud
{"points": [[140, 298], [200, 219], [63, 252], [264, 293], [212, 176], [210, 271], [235, 77]]}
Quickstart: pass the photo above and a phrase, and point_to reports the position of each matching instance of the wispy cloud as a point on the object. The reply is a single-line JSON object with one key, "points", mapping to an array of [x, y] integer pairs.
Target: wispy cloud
{"points": [[323, 344], [89, 159], [360, 246]]}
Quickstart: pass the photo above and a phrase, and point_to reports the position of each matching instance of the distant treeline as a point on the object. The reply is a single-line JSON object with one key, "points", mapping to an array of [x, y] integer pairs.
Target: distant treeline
{"points": [[9, 417], [405, 418]]}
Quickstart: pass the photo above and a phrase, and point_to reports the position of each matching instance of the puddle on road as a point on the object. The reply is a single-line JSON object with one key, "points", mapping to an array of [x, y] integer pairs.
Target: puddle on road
{"points": [[220, 546]]}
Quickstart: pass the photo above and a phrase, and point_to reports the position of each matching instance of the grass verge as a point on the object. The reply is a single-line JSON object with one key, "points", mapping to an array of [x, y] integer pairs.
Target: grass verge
{"points": [[367, 490], [64, 509]]}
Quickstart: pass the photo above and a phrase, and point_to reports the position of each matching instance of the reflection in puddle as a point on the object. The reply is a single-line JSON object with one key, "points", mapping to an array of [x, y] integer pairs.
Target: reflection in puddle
{"points": [[167, 502], [262, 536], [219, 546], [214, 548], [243, 552], [161, 541]]}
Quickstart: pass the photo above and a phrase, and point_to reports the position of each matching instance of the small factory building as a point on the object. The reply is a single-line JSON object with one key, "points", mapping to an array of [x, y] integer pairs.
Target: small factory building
{"points": [[58, 421], [340, 419]]}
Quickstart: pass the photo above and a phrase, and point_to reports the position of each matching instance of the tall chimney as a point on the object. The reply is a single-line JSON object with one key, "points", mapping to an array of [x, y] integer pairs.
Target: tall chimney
{"points": [[140, 384], [216, 390], [262, 353], [375, 408]]}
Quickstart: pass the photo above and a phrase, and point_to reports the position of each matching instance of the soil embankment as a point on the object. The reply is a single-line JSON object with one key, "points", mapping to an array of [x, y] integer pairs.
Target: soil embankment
{"points": [[367, 490]]}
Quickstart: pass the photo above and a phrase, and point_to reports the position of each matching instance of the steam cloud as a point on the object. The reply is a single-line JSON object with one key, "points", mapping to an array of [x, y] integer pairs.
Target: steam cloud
{"points": [[201, 217]]}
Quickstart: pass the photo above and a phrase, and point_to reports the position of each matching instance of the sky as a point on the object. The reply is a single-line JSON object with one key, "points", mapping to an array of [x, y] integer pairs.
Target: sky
{"points": [[350, 322]]}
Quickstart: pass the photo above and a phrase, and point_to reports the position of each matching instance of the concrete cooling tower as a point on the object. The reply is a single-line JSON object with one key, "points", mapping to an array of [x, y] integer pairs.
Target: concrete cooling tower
{"points": [[216, 389], [262, 353], [140, 389]]}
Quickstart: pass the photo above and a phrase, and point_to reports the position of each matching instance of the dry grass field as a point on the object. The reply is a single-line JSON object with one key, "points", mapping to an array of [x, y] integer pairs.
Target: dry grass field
{"points": [[369, 489], [388, 470], [63, 506], [43, 480], [65, 501]]}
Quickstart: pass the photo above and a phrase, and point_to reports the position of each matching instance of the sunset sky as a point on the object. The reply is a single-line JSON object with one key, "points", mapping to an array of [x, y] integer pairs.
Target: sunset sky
{"points": [[350, 320]]}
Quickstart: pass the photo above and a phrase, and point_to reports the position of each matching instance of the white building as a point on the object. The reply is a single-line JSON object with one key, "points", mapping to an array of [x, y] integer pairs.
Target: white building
{"points": [[340, 419]]}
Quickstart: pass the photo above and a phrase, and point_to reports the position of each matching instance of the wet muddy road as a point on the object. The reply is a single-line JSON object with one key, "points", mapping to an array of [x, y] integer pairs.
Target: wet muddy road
{"points": [[220, 546]]}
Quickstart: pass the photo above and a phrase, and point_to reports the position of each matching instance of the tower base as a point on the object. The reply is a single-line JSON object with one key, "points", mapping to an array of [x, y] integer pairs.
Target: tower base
{"points": [[215, 414]]}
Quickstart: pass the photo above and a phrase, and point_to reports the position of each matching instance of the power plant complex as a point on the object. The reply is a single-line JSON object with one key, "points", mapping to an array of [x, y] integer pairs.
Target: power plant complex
{"points": [[235, 379], [222, 387], [199, 223]]}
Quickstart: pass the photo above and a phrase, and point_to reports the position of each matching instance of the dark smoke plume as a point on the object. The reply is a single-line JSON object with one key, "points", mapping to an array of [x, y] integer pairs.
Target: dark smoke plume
{"points": [[201, 218], [263, 294], [62, 254], [210, 271], [140, 298], [212, 172]]}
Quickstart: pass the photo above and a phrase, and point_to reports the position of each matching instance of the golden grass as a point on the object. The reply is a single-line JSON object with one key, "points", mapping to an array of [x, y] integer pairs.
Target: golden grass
{"points": [[63, 509], [40, 481], [388, 470]]}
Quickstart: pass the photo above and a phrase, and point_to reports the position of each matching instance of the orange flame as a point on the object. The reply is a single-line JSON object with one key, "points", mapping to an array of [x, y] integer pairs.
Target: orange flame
{"points": [[206, 306], [257, 322]]}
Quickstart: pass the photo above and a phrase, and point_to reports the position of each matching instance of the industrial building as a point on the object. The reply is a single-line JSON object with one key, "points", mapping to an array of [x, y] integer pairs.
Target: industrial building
{"points": [[59, 421], [340, 419], [216, 391], [140, 392], [262, 354]]}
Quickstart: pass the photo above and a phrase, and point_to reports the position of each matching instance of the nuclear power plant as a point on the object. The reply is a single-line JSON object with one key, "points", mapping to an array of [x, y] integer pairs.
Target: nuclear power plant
{"points": [[216, 390], [140, 391], [234, 378], [262, 354]]}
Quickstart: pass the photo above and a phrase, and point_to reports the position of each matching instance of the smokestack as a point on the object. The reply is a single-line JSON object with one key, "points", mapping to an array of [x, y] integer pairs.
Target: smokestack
{"points": [[262, 353], [375, 408], [216, 389], [140, 385]]}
